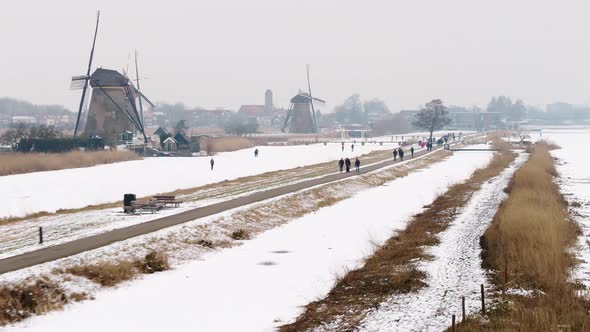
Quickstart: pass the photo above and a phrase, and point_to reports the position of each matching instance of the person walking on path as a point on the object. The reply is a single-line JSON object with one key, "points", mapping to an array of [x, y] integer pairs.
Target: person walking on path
{"points": [[347, 162], [400, 152], [352, 147], [212, 163], [341, 164], [394, 154], [357, 164], [342, 146], [412, 151], [256, 153]]}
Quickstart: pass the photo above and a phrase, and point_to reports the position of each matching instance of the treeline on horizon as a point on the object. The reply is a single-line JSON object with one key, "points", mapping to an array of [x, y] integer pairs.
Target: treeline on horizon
{"points": [[12, 106]]}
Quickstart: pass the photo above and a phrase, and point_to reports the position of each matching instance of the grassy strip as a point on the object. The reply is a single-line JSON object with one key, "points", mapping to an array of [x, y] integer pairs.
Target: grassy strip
{"points": [[42, 295], [19, 163], [213, 145], [529, 240], [390, 270]]}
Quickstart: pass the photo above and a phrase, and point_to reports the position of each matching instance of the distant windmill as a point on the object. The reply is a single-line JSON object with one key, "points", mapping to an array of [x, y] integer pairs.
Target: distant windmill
{"points": [[301, 117]]}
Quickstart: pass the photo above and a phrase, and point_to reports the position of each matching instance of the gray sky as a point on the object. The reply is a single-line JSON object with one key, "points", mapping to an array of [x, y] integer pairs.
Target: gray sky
{"points": [[225, 53]]}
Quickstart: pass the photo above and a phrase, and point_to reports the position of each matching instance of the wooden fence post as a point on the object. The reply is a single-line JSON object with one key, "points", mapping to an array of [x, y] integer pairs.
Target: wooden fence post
{"points": [[40, 235], [463, 309], [483, 303], [453, 325]]}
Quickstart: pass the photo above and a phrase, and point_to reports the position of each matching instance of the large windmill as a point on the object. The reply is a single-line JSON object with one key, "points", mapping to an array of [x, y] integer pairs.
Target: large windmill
{"points": [[301, 117], [113, 107]]}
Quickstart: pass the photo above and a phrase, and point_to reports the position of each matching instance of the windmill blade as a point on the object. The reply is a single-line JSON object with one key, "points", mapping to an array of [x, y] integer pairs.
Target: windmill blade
{"points": [[85, 86], [78, 82], [315, 123], [321, 101], [138, 89], [288, 118], [146, 99]]}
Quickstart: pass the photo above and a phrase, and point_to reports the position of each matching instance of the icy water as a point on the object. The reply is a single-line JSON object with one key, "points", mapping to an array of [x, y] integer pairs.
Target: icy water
{"points": [[573, 165]]}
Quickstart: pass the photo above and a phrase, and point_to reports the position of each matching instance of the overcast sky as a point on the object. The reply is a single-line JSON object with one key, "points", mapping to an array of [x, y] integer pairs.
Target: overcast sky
{"points": [[224, 53]]}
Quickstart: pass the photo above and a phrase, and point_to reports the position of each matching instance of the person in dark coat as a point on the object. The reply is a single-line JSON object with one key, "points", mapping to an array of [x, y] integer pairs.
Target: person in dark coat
{"points": [[342, 146], [212, 163], [256, 153], [394, 154], [412, 151], [357, 164], [400, 152], [341, 164], [352, 147], [347, 163]]}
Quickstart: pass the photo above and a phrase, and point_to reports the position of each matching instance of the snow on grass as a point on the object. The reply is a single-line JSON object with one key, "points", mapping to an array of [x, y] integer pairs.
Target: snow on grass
{"points": [[181, 242], [264, 282], [20, 237], [25, 194], [574, 181], [454, 271]]}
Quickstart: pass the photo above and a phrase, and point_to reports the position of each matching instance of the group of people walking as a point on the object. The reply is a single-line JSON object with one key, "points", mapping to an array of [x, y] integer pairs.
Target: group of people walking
{"points": [[400, 152], [347, 163]]}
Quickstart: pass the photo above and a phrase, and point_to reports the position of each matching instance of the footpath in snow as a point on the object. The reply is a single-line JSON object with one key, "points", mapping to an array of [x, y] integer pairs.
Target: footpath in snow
{"points": [[265, 282], [454, 271], [24, 194]]}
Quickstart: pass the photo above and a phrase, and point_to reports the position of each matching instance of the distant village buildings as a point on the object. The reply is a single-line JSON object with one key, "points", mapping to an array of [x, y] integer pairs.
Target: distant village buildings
{"points": [[65, 121], [267, 116]]}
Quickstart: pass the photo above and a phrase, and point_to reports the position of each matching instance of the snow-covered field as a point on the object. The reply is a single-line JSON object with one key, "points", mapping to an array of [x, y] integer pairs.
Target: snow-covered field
{"points": [[454, 271], [25, 194], [573, 166], [263, 283]]}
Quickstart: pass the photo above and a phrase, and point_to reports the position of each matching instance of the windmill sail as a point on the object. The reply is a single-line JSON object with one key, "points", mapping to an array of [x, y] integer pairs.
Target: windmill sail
{"points": [[87, 76]]}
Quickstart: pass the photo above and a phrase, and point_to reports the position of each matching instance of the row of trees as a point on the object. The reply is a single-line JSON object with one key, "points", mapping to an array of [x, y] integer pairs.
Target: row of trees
{"points": [[22, 131], [355, 111], [514, 111], [11, 106], [42, 138]]}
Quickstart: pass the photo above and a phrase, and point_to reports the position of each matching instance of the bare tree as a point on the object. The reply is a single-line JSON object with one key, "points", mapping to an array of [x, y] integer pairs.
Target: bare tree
{"points": [[10, 137], [434, 116]]}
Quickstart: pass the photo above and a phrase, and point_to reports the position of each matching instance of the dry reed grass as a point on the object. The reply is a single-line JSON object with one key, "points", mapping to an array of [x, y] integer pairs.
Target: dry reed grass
{"points": [[109, 274], [390, 270], [106, 274], [19, 163], [213, 145], [531, 229], [18, 302], [529, 239]]}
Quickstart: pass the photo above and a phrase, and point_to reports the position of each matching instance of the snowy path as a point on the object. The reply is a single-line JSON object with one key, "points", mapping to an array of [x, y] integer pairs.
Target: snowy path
{"points": [[454, 271], [25, 194], [263, 283]]}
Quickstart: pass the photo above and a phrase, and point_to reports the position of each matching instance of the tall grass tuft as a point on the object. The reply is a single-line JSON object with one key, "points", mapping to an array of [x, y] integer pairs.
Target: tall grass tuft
{"points": [[215, 145], [19, 163], [529, 239], [531, 230]]}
